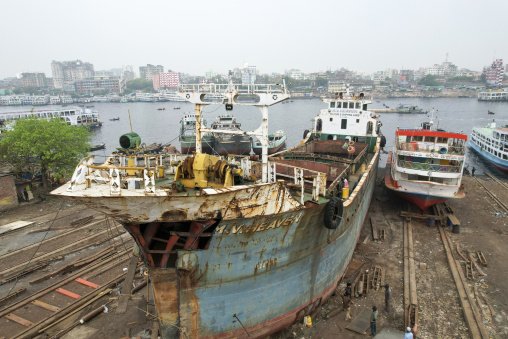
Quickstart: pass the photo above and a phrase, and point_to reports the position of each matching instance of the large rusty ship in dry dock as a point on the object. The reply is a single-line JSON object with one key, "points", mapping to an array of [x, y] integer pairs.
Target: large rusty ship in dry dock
{"points": [[236, 247]]}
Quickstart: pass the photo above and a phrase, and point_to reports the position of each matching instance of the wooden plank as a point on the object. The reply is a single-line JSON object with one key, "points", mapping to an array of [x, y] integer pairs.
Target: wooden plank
{"points": [[45, 306], [375, 234], [453, 219], [86, 283], [127, 286], [16, 225], [19, 320], [68, 293]]}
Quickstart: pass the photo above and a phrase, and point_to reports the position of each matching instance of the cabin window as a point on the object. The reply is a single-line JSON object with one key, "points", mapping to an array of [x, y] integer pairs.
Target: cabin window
{"points": [[430, 139], [331, 119], [339, 104], [330, 137], [343, 124], [357, 121], [417, 138], [364, 107], [442, 140], [351, 105], [332, 104], [505, 156], [357, 105]]}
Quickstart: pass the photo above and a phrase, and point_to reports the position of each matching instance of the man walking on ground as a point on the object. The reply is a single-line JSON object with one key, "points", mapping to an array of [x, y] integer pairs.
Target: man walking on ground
{"points": [[347, 291], [373, 319], [347, 302], [388, 297], [408, 334]]}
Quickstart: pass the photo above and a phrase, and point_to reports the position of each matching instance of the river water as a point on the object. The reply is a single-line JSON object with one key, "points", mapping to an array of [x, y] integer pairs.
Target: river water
{"points": [[163, 126]]}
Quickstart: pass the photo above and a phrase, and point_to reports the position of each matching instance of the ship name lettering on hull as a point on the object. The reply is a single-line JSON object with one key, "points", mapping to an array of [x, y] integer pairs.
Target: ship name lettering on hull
{"points": [[258, 227]]}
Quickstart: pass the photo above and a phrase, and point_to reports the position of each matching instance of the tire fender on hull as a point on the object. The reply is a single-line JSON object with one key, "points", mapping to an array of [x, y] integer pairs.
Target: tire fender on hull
{"points": [[333, 213]]}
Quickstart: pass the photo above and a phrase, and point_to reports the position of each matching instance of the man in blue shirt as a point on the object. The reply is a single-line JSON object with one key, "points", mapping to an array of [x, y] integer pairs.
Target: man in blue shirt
{"points": [[373, 319]]}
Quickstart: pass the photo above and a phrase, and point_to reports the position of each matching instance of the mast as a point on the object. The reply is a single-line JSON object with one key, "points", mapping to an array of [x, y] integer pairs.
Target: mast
{"points": [[258, 95]]}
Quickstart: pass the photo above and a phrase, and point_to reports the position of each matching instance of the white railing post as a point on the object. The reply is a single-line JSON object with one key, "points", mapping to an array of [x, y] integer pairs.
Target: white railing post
{"points": [[149, 181], [114, 181]]}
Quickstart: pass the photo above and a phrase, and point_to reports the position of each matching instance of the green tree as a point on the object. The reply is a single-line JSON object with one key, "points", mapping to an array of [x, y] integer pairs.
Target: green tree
{"points": [[139, 84], [44, 145], [483, 78], [428, 80]]}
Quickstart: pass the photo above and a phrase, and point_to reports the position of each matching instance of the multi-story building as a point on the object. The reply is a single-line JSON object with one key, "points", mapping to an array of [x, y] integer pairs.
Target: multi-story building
{"points": [[69, 71], [249, 73], [100, 83], [495, 73], [146, 72], [335, 86], [33, 80], [166, 80]]}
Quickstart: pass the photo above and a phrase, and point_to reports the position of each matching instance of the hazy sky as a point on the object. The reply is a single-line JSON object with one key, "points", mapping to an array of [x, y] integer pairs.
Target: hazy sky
{"points": [[197, 36]]}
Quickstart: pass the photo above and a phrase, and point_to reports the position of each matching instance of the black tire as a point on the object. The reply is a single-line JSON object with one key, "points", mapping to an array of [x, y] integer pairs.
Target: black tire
{"points": [[305, 133], [383, 141], [333, 213]]}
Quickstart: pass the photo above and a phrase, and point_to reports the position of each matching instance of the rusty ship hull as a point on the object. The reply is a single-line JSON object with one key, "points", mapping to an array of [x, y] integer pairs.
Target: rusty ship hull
{"points": [[268, 271]]}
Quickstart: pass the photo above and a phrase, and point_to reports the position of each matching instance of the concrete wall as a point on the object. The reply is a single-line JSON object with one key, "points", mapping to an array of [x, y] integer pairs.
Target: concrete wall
{"points": [[8, 196]]}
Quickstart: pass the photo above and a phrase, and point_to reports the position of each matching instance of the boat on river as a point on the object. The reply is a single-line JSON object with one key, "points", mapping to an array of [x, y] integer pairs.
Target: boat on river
{"points": [[426, 165], [491, 143], [276, 142], [75, 116], [225, 143], [97, 147], [237, 247], [188, 136]]}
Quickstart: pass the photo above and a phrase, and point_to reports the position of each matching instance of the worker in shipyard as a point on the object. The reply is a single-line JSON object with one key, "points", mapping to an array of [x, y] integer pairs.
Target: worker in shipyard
{"points": [[388, 297], [347, 290], [408, 334], [373, 319], [347, 302]]}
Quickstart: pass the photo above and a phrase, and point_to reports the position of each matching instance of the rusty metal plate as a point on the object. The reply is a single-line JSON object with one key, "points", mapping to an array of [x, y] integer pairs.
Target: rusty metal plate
{"points": [[361, 322]]}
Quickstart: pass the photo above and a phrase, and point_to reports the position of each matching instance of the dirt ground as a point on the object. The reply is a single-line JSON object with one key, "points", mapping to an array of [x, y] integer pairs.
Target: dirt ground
{"points": [[484, 227]]}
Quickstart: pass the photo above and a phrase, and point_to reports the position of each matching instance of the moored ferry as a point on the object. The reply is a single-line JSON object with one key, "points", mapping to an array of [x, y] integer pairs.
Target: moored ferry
{"points": [[426, 165], [499, 95], [491, 143], [75, 116], [238, 248]]}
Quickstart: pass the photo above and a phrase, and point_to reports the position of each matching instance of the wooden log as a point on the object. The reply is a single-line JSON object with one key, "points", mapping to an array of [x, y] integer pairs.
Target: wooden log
{"points": [[12, 295], [127, 286]]}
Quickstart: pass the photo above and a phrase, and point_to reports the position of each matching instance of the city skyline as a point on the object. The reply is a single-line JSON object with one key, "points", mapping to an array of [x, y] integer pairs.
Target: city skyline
{"points": [[202, 36]]}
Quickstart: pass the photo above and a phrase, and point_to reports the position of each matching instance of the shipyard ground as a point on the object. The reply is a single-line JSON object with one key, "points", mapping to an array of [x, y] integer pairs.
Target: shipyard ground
{"points": [[484, 227]]}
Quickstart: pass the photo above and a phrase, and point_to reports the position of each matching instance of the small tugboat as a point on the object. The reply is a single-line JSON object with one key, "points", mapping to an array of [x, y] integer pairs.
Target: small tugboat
{"points": [[114, 119], [491, 143], [176, 107], [97, 147], [161, 109], [426, 165], [276, 143], [237, 248], [413, 109], [490, 112], [225, 143], [188, 136]]}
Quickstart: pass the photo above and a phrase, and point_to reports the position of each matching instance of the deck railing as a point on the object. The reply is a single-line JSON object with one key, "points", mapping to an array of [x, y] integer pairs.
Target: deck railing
{"points": [[426, 148], [145, 170], [429, 167]]}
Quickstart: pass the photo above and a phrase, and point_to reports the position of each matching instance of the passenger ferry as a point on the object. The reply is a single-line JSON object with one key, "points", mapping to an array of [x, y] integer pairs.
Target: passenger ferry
{"points": [[426, 165], [491, 143], [75, 116], [500, 95]]}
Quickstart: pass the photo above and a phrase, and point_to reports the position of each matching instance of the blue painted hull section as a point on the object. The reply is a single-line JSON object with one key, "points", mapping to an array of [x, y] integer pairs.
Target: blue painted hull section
{"points": [[266, 277], [499, 163]]}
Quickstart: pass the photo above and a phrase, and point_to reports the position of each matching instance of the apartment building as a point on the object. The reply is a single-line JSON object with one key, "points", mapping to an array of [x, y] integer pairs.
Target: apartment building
{"points": [[146, 72], [69, 71], [166, 80]]}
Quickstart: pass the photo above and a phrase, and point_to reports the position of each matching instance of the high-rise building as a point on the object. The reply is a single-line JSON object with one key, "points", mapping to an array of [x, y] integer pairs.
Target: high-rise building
{"points": [[69, 71], [146, 72], [100, 83], [166, 80], [248, 74], [495, 73], [33, 80]]}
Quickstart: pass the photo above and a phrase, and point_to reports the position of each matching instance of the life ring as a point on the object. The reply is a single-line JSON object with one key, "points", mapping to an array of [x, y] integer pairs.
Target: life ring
{"points": [[274, 97], [188, 96], [431, 155], [333, 213], [350, 149], [351, 142]]}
